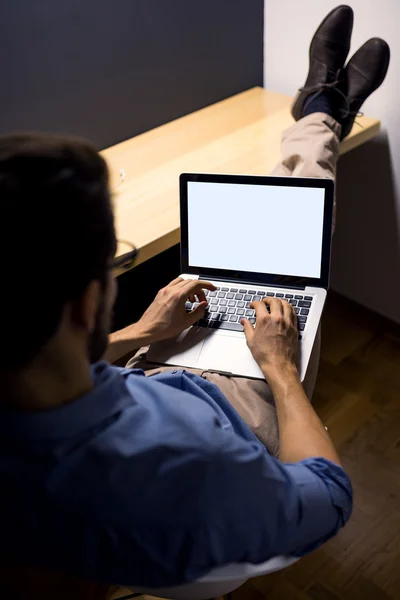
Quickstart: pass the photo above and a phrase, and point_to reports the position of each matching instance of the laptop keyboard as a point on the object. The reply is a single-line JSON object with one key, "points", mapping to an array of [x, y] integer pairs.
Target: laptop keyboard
{"points": [[227, 305]]}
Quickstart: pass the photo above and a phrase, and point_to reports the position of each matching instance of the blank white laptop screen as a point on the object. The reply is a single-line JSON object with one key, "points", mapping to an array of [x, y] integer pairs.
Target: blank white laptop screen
{"points": [[258, 228]]}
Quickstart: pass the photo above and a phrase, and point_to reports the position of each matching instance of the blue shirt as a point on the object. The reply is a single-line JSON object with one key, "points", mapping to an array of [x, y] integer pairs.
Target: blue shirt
{"points": [[153, 482]]}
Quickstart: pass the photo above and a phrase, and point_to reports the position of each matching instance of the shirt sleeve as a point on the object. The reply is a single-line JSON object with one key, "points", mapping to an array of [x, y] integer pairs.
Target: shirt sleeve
{"points": [[326, 499], [239, 504], [256, 508]]}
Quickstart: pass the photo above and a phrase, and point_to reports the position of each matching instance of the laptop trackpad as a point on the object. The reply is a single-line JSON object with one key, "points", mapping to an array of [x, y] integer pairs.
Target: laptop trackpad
{"points": [[228, 353], [184, 351]]}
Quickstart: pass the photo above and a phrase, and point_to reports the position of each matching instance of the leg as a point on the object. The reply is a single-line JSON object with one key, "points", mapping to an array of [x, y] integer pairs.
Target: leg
{"points": [[310, 148], [251, 398], [324, 111]]}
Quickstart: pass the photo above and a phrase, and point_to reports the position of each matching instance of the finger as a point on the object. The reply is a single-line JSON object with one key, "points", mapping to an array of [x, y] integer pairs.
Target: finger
{"points": [[248, 329], [176, 281], [275, 306], [260, 309], [287, 311], [198, 297], [201, 296], [195, 286], [294, 317], [197, 314], [207, 285]]}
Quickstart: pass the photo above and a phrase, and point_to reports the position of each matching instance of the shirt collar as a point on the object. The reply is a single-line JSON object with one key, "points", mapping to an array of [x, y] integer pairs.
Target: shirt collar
{"points": [[108, 396]]}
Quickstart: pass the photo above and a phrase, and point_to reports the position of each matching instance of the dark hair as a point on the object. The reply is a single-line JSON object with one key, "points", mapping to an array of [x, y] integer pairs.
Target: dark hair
{"points": [[57, 235]]}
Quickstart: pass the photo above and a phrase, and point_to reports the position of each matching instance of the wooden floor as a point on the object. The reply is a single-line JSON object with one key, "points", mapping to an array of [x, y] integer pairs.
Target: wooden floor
{"points": [[358, 398]]}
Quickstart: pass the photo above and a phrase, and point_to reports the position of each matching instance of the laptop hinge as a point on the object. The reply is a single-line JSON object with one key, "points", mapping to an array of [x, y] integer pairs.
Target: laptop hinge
{"points": [[247, 282]]}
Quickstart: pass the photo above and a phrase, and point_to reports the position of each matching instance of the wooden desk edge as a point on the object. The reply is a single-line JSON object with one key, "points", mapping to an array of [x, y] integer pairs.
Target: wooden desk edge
{"points": [[155, 247], [363, 136], [172, 237]]}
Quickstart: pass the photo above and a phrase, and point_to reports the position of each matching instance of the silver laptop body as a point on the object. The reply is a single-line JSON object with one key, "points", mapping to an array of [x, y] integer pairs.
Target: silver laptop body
{"points": [[252, 236]]}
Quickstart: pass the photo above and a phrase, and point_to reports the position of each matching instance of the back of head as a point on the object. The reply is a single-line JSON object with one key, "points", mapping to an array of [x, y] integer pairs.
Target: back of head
{"points": [[57, 235]]}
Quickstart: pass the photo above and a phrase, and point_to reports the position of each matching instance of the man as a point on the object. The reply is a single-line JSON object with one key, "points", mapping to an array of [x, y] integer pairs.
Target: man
{"points": [[153, 481]]}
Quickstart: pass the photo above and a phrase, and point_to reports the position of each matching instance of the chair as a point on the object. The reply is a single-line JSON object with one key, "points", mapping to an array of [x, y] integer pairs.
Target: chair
{"points": [[21, 582], [220, 581]]}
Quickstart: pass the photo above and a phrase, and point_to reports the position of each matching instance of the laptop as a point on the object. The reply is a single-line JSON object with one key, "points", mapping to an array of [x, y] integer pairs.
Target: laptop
{"points": [[253, 237]]}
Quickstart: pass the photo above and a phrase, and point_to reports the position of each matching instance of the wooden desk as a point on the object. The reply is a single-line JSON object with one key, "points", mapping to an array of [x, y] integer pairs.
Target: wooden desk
{"points": [[239, 135]]}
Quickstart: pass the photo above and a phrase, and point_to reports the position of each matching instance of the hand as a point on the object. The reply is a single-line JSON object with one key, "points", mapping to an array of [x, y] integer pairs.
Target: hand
{"points": [[273, 342], [166, 317]]}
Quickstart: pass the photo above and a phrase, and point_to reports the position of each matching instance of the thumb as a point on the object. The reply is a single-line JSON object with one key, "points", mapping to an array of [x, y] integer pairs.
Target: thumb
{"points": [[196, 314], [248, 329]]}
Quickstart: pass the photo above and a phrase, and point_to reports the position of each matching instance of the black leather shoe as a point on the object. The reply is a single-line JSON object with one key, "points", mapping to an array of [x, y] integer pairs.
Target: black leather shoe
{"points": [[363, 75], [328, 52]]}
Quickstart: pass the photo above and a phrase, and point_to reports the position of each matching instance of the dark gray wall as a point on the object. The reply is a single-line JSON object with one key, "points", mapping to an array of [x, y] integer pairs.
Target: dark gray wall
{"points": [[108, 70]]}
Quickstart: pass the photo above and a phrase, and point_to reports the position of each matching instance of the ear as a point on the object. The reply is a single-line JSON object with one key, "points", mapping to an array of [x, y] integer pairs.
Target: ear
{"points": [[84, 310]]}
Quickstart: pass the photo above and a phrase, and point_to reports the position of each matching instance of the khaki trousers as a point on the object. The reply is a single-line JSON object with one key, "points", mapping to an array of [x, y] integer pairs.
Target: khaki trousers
{"points": [[310, 148]]}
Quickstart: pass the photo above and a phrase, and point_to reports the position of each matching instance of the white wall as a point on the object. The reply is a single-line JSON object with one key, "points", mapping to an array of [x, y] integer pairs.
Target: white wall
{"points": [[366, 258]]}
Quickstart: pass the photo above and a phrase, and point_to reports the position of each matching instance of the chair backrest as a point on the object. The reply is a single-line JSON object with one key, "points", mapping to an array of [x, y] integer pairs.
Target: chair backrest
{"points": [[220, 581]]}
